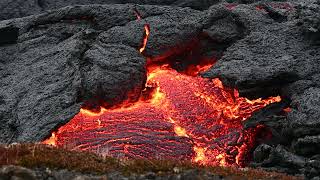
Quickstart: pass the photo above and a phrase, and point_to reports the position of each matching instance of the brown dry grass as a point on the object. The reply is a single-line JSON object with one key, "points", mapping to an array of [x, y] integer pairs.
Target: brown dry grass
{"points": [[38, 155]]}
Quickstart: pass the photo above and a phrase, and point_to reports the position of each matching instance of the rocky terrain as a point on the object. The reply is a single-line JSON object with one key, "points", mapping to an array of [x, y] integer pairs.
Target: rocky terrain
{"points": [[54, 60], [35, 161]]}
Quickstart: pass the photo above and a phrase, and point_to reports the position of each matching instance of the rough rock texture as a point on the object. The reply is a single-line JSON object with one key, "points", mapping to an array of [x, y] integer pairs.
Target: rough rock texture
{"points": [[281, 57], [278, 157], [21, 8], [18, 8], [310, 19], [20, 173], [17, 173], [78, 54], [52, 63]]}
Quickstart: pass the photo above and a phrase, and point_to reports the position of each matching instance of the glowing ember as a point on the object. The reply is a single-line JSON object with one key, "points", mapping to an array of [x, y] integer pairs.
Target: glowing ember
{"points": [[180, 131], [146, 33], [52, 140], [145, 39], [287, 110], [199, 154]]}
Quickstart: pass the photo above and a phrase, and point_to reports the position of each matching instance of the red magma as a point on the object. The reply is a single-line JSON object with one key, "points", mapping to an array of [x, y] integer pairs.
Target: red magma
{"points": [[185, 117]]}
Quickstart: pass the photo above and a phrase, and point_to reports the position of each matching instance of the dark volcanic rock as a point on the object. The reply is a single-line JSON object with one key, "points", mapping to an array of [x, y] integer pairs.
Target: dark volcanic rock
{"points": [[307, 145], [18, 8], [304, 119], [274, 59], [196, 4], [21, 8], [16, 172], [310, 19], [272, 117], [8, 35], [277, 57], [40, 83], [262, 153], [279, 158], [112, 73], [179, 31], [168, 30], [76, 55], [52, 63], [272, 51]]}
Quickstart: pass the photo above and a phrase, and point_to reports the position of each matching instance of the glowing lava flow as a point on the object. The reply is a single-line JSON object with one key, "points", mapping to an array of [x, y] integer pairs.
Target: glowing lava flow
{"points": [[186, 118], [146, 31]]}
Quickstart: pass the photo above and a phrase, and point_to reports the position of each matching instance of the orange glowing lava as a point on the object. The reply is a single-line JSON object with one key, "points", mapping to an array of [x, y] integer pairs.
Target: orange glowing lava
{"points": [[145, 38], [146, 33], [52, 140], [187, 117]]}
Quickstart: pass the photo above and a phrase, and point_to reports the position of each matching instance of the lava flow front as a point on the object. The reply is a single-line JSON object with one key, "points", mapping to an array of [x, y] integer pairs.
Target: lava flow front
{"points": [[187, 118], [179, 116]]}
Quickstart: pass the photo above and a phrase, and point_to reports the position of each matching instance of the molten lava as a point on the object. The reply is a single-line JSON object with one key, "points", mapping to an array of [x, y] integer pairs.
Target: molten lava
{"points": [[186, 117], [146, 32], [145, 38]]}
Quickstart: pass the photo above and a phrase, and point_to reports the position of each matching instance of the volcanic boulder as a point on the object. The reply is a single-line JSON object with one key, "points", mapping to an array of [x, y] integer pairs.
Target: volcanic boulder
{"points": [[280, 57], [42, 74], [91, 53]]}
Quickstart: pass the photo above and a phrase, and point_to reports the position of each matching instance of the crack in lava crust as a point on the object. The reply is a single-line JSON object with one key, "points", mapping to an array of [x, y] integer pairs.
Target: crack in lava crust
{"points": [[187, 118]]}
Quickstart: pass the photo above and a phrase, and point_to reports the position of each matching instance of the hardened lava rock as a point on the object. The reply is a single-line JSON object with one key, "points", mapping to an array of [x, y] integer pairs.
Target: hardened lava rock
{"points": [[279, 57], [310, 19], [55, 64], [51, 63], [54, 60], [21, 8]]}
